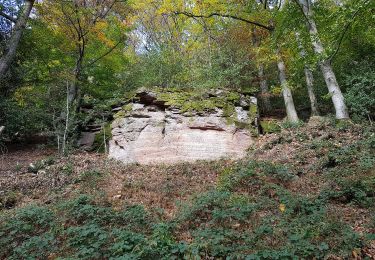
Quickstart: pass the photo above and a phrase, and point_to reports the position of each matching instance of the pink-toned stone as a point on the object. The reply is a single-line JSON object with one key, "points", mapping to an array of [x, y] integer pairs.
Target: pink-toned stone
{"points": [[155, 134], [160, 138]]}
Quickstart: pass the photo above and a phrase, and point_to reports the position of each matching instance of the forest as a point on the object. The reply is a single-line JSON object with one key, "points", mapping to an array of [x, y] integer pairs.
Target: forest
{"points": [[281, 91]]}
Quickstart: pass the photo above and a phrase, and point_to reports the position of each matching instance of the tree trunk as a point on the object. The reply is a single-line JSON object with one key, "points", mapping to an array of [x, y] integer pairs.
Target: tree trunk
{"points": [[262, 80], [73, 91], [310, 89], [309, 81], [11, 47], [325, 65], [264, 89], [287, 93]]}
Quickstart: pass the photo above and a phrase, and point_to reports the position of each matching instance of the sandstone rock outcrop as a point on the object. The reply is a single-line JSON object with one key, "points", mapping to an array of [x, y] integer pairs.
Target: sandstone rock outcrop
{"points": [[153, 130]]}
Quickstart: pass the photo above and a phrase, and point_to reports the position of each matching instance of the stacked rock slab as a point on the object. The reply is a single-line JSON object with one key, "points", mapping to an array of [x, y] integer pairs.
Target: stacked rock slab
{"points": [[151, 132]]}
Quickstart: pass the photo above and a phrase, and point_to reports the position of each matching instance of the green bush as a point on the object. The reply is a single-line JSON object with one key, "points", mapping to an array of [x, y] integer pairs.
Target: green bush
{"points": [[360, 91], [22, 120]]}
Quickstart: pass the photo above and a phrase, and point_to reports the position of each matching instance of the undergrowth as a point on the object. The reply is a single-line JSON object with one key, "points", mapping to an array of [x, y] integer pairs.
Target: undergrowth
{"points": [[252, 213]]}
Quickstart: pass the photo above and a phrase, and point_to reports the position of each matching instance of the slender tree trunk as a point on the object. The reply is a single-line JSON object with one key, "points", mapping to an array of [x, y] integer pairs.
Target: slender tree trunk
{"points": [[264, 89], [309, 81], [73, 92], [11, 47], [325, 65], [262, 80], [310, 89], [287, 93]]}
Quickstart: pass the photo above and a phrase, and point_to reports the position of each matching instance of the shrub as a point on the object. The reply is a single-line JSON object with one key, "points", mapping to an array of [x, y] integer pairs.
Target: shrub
{"points": [[360, 91]]}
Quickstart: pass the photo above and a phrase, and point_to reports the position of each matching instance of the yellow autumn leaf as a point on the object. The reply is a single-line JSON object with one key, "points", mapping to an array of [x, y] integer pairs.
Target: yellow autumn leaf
{"points": [[282, 207]]}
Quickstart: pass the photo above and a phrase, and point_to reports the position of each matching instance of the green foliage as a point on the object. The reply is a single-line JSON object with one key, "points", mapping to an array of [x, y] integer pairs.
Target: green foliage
{"points": [[250, 215], [358, 191], [339, 164], [254, 172], [360, 91], [102, 138], [27, 234], [270, 126], [287, 124], [41, 164], [20, 119]]}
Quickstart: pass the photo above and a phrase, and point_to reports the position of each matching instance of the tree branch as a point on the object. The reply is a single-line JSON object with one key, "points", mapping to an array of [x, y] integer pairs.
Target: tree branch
{"points": [[191, 15], [104, 54], [6, 16], [303, 12], [346, 28]]}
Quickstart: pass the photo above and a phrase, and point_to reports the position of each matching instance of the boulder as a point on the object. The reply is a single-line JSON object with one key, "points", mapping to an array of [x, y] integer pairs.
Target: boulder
{"points": [[87, 140], [154, 133]]}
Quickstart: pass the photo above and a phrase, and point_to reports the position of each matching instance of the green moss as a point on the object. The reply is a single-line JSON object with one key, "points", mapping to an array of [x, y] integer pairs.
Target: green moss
{"points": [[119, 114], [228, 110], [253, 112], [233, 96], [270, 126], [193, 100], [126, 109], [198, 106]]}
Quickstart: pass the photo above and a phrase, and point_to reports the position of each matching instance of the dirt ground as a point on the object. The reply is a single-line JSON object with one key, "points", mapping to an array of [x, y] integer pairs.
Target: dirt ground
{"points": [[152, 186]]}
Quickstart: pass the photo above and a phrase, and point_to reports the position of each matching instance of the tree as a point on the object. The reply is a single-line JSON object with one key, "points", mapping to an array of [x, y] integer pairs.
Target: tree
{"points": [[80, 22], [309, 80], [324, 63], [262, 77], [16, 34], [287, 93]]}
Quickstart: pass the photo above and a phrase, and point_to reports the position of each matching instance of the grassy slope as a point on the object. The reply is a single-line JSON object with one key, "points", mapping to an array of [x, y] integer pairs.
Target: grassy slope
{"points": [[303, 193]]}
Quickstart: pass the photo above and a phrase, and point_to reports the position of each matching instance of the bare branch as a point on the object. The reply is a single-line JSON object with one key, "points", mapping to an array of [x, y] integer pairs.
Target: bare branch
{"points": [[6, 16], [104, 54], [191, 15]]}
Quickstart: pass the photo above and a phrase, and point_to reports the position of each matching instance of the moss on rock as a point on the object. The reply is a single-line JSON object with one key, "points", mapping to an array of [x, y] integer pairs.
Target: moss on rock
{"points": [[200, 100], [253, 112]]}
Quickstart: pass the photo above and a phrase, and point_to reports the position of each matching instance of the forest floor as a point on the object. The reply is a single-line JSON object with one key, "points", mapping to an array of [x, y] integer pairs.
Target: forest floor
{"points": [[309, 191]]}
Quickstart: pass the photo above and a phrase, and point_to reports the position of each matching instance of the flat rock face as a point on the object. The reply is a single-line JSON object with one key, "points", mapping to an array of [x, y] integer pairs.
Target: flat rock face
{"points": [[149, 134]]}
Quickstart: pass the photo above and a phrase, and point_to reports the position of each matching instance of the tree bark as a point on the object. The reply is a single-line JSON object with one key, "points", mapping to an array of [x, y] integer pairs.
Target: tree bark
{"points": [[310, 90], [287, 93], [11, 47], [262, 80], [264, 89], [309, 81], [325, 65]]}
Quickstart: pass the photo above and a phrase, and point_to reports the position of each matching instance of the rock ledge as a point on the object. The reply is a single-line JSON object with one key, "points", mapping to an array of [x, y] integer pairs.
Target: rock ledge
{"points": [[154, 130]]}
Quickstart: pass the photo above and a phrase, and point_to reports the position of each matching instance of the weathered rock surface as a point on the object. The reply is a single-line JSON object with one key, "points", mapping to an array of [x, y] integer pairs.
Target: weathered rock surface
{"points": [[87, 140], [152, 132]]}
